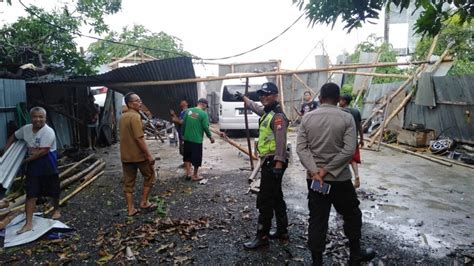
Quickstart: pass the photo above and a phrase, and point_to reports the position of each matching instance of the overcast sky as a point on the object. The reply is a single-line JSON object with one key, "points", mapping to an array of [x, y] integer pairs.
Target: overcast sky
{"points": [[213, 28]]}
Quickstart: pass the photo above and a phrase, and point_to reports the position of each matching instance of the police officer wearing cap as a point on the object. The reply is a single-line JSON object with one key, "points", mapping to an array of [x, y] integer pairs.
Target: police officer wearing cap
{"points": [[271, 148]]}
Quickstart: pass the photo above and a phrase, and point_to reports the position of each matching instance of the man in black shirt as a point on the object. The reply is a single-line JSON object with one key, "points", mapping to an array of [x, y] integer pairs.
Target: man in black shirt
{"points": [[344, 102], [308, 104]]}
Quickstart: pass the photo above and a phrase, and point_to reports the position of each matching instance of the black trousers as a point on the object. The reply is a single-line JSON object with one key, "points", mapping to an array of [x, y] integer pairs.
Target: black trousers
{"points": [[344, 199], [270, 201]]}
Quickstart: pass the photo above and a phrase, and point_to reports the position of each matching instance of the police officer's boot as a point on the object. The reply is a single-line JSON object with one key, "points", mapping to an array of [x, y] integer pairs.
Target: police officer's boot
{"points": [[358, 255], [281, 232], [260, 240], [317, 258]]}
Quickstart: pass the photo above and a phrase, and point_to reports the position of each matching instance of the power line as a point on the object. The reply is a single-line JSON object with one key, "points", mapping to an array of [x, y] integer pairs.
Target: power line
{"points": [[27, 9]]}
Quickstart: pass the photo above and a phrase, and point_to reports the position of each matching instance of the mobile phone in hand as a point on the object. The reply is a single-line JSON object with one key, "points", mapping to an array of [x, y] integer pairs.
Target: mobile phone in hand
{"points": [[316, 186]]}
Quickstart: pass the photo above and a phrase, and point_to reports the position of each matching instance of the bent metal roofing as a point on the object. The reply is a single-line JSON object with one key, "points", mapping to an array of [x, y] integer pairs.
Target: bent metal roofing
{"points": [[159, 99]]}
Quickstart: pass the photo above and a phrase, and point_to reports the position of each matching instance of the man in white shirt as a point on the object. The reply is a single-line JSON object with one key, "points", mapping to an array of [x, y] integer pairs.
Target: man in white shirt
{"points": [[42, 179]]}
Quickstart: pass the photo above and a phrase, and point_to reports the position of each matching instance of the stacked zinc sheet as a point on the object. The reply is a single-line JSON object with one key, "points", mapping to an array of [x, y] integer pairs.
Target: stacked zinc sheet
{"points": [[10, 163]]}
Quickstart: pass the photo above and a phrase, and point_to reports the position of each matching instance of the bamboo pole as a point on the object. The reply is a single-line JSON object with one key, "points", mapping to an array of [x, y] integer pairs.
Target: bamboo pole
{"points": [[392, 115], [65, 166], [67, 171], [73, 83], [304, 84], [247, 132], [69, 180], [233, 143], [406, 83], [452, 161], [77, 190], [417, 154], [406, 99], [19, 202], [382, 75], [292, 97], [383, 124]]}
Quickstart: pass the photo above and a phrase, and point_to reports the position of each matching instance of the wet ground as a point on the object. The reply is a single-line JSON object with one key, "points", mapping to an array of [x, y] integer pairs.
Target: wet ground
{"points": [[415, 212]]}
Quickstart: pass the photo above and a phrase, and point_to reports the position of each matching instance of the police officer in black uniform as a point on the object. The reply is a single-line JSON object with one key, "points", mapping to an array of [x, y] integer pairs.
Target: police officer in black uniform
{"points": [[271, 148]]}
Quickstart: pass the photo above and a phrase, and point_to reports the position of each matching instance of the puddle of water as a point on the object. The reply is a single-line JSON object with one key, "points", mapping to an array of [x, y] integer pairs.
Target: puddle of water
{"points": [[413, 235]]}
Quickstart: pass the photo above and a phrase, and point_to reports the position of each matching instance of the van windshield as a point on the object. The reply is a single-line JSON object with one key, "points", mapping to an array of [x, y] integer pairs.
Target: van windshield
{"points": [[228, 94]]}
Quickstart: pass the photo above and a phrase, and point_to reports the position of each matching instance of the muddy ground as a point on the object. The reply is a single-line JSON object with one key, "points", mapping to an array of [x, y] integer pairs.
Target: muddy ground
{"points": [[205, 223]]}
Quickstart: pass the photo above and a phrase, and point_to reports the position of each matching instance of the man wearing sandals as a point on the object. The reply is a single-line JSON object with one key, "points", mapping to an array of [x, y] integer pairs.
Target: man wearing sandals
{"points": [[195, 124], [344, 104], [135, 155], [42, 178]]}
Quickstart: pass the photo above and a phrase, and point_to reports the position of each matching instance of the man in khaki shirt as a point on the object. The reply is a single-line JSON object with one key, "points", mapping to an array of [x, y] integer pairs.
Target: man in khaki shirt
{"points": [[135, 155], [325, 144]]}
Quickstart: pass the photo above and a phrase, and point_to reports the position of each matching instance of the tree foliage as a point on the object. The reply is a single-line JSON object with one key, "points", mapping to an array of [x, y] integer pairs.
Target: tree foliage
{"points": [[47, 37], [462, 39], [356, 12], [162, 44]]}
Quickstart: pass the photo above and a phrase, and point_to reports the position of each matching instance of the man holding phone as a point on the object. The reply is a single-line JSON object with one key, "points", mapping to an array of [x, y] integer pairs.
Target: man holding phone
{"points": [[325, 144]]}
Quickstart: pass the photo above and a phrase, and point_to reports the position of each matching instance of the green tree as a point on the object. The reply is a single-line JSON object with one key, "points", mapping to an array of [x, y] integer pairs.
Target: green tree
{"points": [[356, 12], [462, 39], [46, 38], [160, 45]]}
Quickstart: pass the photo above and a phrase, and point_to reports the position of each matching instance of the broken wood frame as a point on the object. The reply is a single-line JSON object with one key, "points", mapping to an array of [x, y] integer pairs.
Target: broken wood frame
{"points": [[406, 99], [383, 106]]}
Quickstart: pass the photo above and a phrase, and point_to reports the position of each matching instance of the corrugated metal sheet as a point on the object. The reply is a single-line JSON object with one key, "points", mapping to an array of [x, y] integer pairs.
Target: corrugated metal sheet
{"points": [[374, 93], [10, 163], [12, 92], [159, 99], [454, 114], [362, 82]]}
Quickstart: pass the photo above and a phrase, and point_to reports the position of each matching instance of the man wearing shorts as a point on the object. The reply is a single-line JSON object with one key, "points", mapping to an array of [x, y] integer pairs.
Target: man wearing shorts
{"points": [[344, 102], [42, 178], [135, 155], [195, 124]]}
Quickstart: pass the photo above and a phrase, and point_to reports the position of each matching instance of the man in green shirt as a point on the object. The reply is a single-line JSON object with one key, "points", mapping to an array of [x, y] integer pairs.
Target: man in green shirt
{"points": [[195, 124]]}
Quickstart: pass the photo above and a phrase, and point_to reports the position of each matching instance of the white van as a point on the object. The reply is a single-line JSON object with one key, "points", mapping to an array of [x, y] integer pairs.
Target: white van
{"points": [[231, 110]]}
